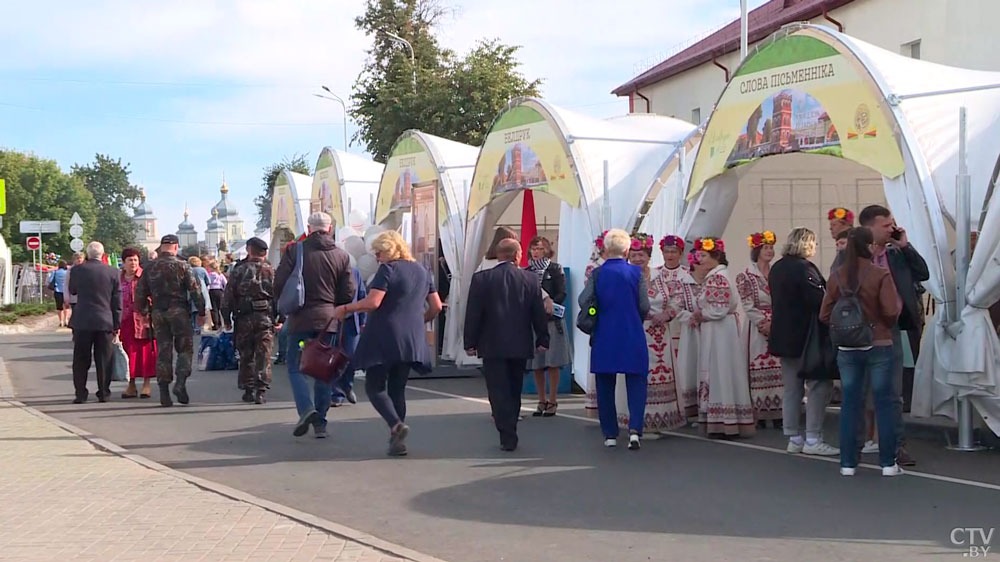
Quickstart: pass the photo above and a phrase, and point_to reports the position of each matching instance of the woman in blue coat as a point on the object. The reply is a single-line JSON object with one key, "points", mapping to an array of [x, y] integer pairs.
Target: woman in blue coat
{"points": [[618, 344]]}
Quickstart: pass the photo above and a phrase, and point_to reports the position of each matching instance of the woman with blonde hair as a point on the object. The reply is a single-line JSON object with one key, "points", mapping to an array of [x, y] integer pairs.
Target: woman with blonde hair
{"points": [[764, 368], [394, 339], [797, 291]]}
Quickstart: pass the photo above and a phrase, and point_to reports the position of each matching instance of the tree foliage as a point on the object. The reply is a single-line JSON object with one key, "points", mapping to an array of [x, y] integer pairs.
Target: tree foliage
{"points": [[38, 190], [296, 163], [455, 98], [107, 179]]}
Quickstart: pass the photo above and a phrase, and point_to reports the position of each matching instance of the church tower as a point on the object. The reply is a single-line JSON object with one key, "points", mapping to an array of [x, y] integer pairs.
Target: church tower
{"points": [[186, 232], [145, 223]]}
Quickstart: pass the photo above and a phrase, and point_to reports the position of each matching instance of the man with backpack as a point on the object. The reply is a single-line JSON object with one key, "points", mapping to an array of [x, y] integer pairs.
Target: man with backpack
{"points": [[893, 252], [249, 298]]}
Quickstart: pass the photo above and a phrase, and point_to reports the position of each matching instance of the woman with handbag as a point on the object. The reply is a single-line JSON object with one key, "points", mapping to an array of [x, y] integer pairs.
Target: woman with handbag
{"points": [[136, 331], [797, 290], [553, 280], [401, 300]]}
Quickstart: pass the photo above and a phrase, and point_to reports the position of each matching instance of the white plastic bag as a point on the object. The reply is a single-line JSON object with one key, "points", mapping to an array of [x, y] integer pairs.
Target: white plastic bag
{"points": [[119, 363]]}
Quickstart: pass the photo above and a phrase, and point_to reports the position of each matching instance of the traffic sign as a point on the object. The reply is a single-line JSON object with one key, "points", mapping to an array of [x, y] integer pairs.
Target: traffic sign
{"points": [[33, 243], [76, 219], [76, 231], [76, 245], [39, 227]]}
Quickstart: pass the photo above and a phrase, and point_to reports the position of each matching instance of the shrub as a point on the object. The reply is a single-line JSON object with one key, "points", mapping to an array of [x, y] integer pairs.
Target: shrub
{"points": [[8, 317]]}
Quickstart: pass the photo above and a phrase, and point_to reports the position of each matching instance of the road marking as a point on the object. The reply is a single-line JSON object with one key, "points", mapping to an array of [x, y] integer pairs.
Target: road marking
{"points": [[753, 446]]}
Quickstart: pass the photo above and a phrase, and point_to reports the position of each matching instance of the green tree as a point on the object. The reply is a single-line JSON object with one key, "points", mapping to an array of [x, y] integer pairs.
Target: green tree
{"points": [[107, 179], [453, 98], [297, 163], [38, 190]]}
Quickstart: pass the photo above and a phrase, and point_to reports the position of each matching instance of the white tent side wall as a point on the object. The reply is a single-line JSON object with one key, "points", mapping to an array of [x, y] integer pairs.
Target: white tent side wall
{"points": [[358, 179]]}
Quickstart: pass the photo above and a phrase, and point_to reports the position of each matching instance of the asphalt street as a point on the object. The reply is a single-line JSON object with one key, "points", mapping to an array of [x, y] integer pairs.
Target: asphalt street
{"points": [[560, 496]]}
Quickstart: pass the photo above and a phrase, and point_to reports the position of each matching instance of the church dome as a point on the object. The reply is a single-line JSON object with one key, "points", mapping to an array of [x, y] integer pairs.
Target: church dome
{"points": [[224, 207], [186, 227], [213, 223], [143, 211]]}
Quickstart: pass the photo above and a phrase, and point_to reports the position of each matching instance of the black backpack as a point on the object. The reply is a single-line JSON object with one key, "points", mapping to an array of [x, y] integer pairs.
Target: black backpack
{"points": [[848, 327]]}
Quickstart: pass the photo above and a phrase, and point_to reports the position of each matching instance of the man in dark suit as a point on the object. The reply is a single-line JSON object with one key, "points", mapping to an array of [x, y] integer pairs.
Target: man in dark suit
{"points": [[504, 310], [95, 321], [893, 251]]}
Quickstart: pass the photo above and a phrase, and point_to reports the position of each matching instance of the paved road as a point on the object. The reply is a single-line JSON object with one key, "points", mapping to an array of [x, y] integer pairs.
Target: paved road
{"points": [[561, 496]]}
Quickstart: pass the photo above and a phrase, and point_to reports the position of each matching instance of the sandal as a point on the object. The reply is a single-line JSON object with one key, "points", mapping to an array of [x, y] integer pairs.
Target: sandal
{"points": [[146, 390], [540, 411], [550, 409]]}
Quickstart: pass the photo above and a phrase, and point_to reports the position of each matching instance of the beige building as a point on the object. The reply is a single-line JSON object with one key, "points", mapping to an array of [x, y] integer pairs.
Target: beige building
{"points": [[798, 190]]}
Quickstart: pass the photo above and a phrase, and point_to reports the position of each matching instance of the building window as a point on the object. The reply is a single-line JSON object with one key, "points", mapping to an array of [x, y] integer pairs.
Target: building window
{"points": [[696, 116], [911, 49]]}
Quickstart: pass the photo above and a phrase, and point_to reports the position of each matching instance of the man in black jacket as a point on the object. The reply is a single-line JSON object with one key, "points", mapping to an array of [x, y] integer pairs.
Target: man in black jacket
{"points": [[894, 252], [504, 310], [95, 322]]}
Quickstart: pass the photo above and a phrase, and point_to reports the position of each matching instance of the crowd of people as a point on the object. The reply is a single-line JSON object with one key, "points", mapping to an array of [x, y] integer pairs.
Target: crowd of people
{"points": [[688, 343], [732, 353]]}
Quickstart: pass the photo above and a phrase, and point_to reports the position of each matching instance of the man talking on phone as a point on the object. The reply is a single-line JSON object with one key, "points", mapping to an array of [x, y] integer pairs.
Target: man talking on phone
{"points": [[892, 251]]}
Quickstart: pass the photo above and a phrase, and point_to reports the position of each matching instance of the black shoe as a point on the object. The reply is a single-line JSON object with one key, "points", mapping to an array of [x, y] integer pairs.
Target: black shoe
{"points": [[508, 448], [180, 391], [260, 398], [102, 397], [248, 396], [79, 399], [165, 400], [778, 424], [279, 361], [309, 419]]}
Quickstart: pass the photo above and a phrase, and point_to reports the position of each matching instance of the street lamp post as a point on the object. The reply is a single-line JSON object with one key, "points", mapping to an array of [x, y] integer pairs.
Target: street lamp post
{"points": [[336, 98], [413, 63]]}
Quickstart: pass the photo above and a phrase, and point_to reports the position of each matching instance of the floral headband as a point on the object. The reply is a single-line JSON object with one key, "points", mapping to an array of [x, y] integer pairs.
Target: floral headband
{"points": [[710, 245], [642, 241], [758, 239], [671, 241], [600, 240], [692, 258], [840, 213]]}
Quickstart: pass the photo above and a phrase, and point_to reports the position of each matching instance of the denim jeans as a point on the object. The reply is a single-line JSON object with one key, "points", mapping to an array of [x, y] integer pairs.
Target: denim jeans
{"points": [[319, 400], [282, 341], [878, 362], [343, 386]]}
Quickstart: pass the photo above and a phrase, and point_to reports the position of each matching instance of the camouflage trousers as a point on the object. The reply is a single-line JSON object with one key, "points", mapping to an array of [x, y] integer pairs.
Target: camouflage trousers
{"points": [[254, 338], [172, 328]]}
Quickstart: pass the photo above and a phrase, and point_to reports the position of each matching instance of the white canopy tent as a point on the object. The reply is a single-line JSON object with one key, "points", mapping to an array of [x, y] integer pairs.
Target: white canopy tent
{"points": [[904, 127], [289, 211], [603, 171], [343, 183], [417, 158], [6, 274]]}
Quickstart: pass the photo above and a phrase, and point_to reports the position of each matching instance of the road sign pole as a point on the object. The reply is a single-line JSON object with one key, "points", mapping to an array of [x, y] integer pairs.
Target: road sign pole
{"points": [[41, 284]]}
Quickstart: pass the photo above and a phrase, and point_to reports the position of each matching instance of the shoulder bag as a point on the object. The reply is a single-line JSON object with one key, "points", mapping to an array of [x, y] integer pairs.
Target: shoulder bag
{"points": [[293, 294], [586, 319]]}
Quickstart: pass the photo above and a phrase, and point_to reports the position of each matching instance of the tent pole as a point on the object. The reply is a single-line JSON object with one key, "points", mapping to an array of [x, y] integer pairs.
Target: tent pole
{"points": [[607, 202], [962, 255], [743, 30]]}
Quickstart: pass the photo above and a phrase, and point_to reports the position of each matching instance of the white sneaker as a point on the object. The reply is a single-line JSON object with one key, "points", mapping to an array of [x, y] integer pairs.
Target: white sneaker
{"points": [[610, 442], [820, 449], [870, 448], [847, 471], [633, 442], [893, 470], [795, 447]]}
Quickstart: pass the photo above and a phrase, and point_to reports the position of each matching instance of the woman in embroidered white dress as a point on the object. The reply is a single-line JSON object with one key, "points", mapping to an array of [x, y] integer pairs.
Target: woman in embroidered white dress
{"points": [[724, 407], [596, 260], [683, 293], [663, 411], [764, 370]]}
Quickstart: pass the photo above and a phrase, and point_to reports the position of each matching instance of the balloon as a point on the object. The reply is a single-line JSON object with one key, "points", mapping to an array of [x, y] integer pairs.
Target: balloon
{"points": [[357, 220], [344, 233], [367, 265], [371, 234], [354, 246], [353, 261]]}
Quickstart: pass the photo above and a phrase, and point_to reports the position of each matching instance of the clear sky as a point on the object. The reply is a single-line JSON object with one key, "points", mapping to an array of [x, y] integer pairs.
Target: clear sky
{"points": [[186, 90]]}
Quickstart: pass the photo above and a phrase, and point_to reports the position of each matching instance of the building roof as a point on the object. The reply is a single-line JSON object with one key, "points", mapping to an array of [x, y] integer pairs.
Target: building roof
{"points": [[761, 22], [213, 223], [143, 211], [186, 227], [225, 208]]}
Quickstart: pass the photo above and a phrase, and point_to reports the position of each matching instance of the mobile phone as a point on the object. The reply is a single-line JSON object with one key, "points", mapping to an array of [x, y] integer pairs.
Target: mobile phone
{"points": [[896, 233]]}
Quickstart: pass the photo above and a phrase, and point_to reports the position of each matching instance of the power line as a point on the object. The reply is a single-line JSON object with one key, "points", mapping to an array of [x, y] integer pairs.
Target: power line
{"points": [[181, 121], [153, 83]]}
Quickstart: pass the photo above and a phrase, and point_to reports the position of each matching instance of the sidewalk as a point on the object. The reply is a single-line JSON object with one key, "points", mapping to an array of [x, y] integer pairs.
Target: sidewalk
{"points": [[65, 499]]}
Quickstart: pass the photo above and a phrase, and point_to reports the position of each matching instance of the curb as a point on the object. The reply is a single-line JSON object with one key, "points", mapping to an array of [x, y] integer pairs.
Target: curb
{"points": [[336, 529]]}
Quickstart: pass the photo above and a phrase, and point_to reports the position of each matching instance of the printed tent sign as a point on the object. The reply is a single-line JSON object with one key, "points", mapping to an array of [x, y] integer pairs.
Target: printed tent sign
{"points": [[325, 188], [409, 163], [798, 94], [523, 151]]}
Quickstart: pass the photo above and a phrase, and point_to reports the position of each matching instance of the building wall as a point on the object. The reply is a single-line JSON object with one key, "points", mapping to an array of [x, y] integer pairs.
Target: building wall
{"points": [[951, 32]]}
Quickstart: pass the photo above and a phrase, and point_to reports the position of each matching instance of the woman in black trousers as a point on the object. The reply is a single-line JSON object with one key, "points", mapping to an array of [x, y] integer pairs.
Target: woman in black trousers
{"points": [[394, 339]]}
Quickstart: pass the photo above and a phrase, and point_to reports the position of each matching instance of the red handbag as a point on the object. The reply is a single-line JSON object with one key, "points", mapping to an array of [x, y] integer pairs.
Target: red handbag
{"points": [[324, 361]]}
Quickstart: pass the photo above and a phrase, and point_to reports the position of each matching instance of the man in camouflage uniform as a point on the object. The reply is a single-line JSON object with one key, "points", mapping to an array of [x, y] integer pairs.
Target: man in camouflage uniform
{"points": [[249, 299], [172, 287]]}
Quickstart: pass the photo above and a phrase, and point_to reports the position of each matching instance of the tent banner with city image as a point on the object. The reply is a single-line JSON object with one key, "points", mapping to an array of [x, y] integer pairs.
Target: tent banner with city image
{"points": [[798, 94], [409, 163], [523, 151]]}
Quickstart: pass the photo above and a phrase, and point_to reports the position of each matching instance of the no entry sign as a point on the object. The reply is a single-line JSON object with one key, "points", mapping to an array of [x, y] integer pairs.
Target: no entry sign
{"points": [[33, 243]]}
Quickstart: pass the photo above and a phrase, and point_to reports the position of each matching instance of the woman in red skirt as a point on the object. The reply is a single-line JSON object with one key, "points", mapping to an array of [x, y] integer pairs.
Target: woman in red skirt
{"points": [[137, 334]]}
